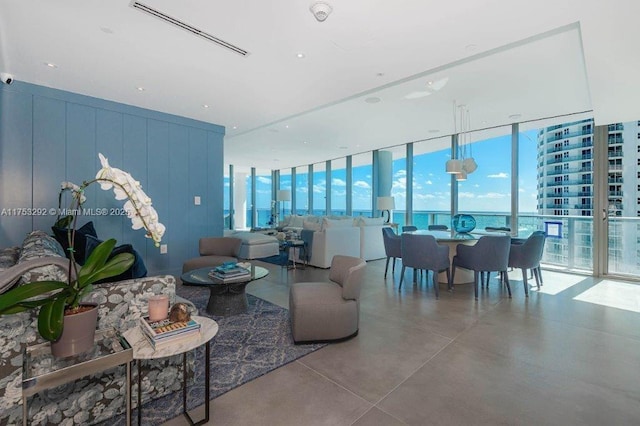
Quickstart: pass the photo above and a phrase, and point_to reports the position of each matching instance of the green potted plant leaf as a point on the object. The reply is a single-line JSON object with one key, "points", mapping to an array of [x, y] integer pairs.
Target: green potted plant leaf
{"points": [[59, 301]]}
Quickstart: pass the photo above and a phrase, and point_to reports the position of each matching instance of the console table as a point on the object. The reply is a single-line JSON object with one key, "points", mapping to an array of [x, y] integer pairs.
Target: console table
{"points": [[40, 370]]}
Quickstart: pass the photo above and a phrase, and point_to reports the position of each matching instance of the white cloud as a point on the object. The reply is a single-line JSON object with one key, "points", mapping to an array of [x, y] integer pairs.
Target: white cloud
{"points": [[493, 195], [400, 173], [361, 184], [501, 175], [263, 179], [424, 196], [466, 195], [429, 182], [400, 183], [338, 182], [476, 186], [521, 190]]}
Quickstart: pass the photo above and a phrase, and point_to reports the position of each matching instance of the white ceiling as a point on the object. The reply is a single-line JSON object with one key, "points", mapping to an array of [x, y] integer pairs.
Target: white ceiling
{"points": [[538, 59]]}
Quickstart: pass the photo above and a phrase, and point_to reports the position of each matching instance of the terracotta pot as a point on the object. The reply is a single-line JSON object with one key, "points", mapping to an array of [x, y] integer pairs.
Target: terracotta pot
{"points": [[78, 333]]}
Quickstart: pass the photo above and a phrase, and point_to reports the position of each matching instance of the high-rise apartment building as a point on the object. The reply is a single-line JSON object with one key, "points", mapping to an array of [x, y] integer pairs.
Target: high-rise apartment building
{"points": [[565, 188]]}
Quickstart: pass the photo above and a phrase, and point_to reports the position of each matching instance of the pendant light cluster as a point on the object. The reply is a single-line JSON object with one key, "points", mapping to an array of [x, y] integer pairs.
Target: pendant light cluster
{"points": [[461, 165]]}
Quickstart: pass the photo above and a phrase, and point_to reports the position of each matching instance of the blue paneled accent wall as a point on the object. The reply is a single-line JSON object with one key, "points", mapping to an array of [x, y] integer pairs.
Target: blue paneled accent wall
{"points": [[48, 136]]}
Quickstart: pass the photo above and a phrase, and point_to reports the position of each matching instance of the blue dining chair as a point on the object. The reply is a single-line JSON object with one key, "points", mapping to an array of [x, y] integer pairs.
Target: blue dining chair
{"points": [[423, 252], [489, 254], [409, 228], [392, 248], [438, 228], [527, 255]]}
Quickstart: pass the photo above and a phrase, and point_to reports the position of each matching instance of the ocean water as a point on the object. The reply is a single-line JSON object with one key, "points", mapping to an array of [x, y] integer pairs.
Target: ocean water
{"points": [[422, 219]]}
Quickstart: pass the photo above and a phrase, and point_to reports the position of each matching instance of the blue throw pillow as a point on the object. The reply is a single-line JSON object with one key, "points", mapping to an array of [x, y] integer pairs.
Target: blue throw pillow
{"points": [[137, 270], [80, 242]]}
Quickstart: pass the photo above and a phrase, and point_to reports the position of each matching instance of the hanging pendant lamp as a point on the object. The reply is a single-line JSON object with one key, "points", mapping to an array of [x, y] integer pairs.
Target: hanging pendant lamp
{"points": [[453, 166]]}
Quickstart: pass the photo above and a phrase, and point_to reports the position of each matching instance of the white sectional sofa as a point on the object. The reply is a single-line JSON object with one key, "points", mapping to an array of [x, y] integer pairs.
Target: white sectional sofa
{"points": [[345, 235]]}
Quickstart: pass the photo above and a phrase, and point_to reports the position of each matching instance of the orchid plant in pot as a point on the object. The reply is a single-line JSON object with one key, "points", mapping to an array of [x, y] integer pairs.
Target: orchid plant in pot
{"points": [[58, 300]]}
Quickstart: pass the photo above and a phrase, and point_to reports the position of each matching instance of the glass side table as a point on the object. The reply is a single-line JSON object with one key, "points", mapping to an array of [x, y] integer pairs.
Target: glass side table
{"points": [[40, 370]]}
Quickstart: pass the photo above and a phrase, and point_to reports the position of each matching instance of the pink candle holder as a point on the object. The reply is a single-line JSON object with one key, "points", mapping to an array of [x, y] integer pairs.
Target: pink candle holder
{"points": [[158, 307]]}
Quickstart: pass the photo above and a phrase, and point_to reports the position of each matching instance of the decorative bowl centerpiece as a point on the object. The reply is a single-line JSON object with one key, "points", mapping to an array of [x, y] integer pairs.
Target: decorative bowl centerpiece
{"points": [[463, 223]]}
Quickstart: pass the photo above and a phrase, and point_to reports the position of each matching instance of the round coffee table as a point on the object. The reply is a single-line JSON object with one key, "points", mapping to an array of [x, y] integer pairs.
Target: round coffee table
{"points": [[225, 298]]}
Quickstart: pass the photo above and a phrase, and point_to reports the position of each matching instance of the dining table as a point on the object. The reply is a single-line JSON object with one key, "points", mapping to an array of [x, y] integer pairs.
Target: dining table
{"points": [[452, 239]]}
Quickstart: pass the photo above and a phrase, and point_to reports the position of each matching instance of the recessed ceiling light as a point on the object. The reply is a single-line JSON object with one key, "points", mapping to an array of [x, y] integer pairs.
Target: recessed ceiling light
{"points": [[234, 127], [300, 55], [343, 147], [434, 131], [286, 126], [305, 142], [380, 74], [51, 65], [372, 100], [429, 83], [140, 89], [515, 116], [106, 30], [205, 106]]}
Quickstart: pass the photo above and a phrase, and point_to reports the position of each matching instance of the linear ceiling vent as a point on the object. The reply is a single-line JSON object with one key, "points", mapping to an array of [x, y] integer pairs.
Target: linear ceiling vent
{"points": [[185, 26]]}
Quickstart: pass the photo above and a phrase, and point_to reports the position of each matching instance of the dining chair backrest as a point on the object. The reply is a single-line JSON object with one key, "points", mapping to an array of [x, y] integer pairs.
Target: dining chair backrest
{"points": [[438, 228], [497, 229], [392, 243], [409, 228], [424, 252], [490, 253], [528, 254]]}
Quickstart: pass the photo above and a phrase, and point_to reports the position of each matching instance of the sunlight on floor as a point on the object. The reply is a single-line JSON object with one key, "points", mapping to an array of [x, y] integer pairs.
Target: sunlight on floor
{"points": [[613, 294], [555, 283]]}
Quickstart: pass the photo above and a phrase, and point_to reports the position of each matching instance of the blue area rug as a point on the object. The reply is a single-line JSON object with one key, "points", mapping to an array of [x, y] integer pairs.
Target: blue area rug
{"points": [[281, 259], [247, 346]]}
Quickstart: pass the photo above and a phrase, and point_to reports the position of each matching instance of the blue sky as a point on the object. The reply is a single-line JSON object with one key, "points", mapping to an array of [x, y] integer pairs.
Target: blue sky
{"points": [[487, 189]]}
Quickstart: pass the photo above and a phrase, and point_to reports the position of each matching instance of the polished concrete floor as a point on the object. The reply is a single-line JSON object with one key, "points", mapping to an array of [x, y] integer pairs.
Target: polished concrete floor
{"points": [[559, 357]]}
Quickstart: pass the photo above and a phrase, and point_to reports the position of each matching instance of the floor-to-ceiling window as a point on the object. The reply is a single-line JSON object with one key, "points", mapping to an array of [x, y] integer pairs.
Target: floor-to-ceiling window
{"points": [[362, 176], [319, 189], [285, 184], [399, 183], [302, 190], [263, 196], [338, 186], [623, 197], [226, 205], [431, 185], [486, 192]]}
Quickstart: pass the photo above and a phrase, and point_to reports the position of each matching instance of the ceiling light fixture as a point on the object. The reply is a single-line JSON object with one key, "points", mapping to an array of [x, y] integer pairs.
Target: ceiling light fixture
{"points": [[205, 106], [140, 89], [321, 10], [300, 55], [51, 65]]}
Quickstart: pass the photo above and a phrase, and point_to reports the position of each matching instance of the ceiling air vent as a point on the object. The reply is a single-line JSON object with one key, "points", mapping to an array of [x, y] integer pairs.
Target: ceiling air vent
{"points": [[185, 26]]}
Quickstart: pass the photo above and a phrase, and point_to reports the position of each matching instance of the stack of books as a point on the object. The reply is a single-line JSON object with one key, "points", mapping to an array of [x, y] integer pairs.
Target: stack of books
{"points": [[229, 273], [166, 332]]}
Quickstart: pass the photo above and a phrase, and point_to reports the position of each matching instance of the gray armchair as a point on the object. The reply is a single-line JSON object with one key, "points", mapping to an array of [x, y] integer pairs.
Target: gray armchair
{"points": [[527, 255], [323, 311], [392, 248], [214, 251], [489, 254], [423, 252]]}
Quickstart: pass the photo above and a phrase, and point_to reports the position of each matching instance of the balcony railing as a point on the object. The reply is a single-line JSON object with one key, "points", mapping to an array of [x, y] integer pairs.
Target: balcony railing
{"points": [[553, 138], [570, 158]]}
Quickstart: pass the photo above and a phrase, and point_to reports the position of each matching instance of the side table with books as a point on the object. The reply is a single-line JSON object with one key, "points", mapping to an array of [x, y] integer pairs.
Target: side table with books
{"points": [[180, 342]]}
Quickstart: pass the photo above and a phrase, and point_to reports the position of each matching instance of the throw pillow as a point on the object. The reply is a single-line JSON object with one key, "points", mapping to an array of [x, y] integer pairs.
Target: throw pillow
{"points": [[80, 241], [137, 270], [329, 223]]}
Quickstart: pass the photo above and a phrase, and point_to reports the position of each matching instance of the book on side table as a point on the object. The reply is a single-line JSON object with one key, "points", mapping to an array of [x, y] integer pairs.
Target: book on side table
{"points": [[229, 273], [167, 332]]}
